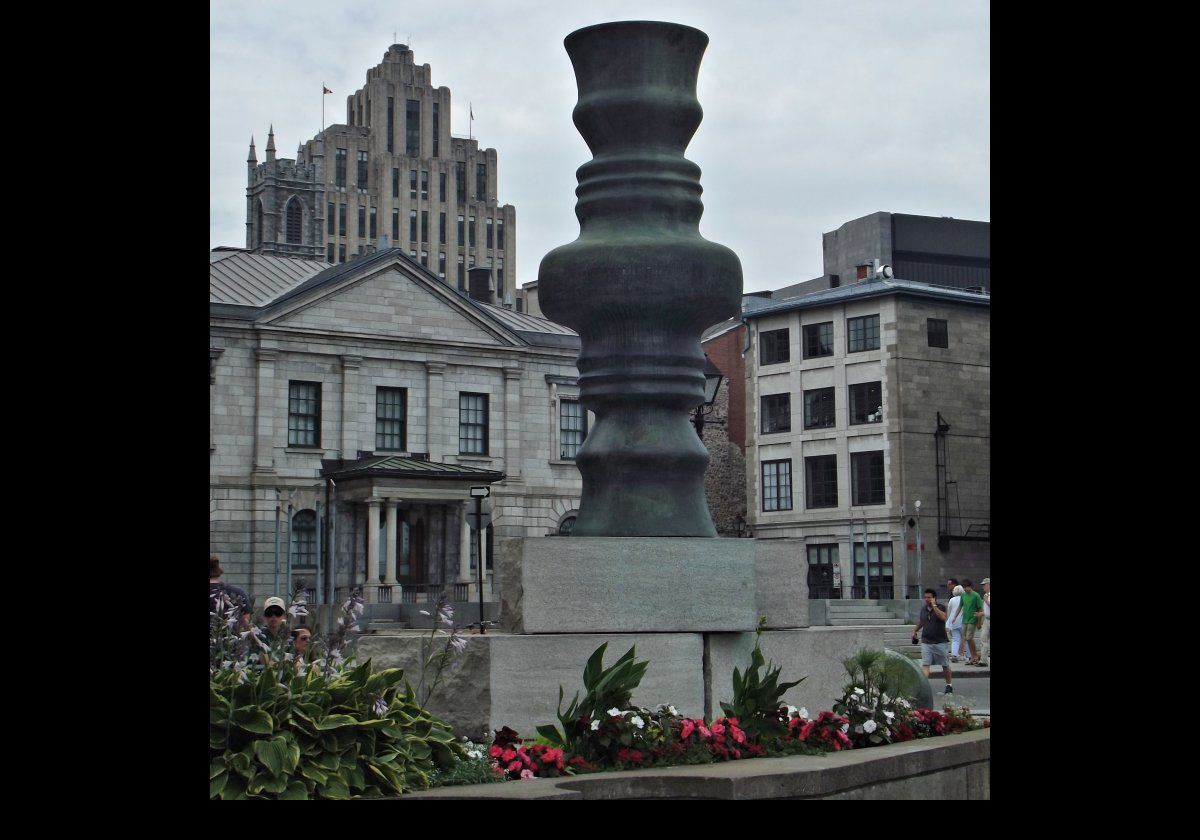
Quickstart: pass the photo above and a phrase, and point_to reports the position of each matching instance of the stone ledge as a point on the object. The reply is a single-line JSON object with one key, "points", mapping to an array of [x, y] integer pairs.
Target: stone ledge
{"points": [[948, 767]]}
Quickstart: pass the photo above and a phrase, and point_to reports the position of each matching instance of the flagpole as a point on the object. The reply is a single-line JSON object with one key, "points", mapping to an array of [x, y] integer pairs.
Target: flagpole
{"points": [[323, 89]]}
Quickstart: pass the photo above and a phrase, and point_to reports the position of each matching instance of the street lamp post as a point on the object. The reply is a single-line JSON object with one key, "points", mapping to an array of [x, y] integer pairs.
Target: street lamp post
{"points": [[479, 494]]}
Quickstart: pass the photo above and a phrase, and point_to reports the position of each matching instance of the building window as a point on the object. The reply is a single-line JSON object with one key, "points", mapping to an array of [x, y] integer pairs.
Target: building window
{"points": [[442, 187], [878, 569], [412, 128], [395, 226], [824, 573], [866, 474], [441, 228], [329, 252], [773, 347], [391, 128], [331, 219], [391, 406], [567, 525], [437, 126], [304, 540], [471, 231], [866, 403], [341, 253], [442, 265], [412, 226], [472, 424], [304, 414], [819, 411], [862, 334], [818, 340], [776, 413], [939, 333], [339, 171], [462, 273], [500, 234], [424, 184], [424, 225], [491, 240], [461, 230], [412, 183], [395, 182], [460, 183], [374, 234], [481, 182], [362, 170], [362, 222], [341, 220], [572, 427], [777, 485], [820, 481], [295, 221], [425, 258]]}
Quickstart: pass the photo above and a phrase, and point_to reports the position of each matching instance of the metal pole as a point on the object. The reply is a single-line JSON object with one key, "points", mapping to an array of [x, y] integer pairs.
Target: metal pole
{"points": [[479, 564], [331, 577], [920, 550], [278, 511], [320, 554], [288, 579]]}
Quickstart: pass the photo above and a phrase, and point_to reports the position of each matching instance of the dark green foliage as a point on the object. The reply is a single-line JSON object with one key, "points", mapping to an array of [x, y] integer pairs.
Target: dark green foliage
{"points": [[605, 688], [757, 701]]}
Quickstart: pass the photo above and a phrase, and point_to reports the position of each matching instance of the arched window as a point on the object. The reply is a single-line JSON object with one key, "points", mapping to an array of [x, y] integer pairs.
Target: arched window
{"points": [[304, 539], [567, 524], [258, 224], [295, 221]]}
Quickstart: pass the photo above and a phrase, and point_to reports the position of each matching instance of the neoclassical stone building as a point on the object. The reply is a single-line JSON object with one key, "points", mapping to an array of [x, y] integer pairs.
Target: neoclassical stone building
{"points": [[353, 406], [392, 175]]}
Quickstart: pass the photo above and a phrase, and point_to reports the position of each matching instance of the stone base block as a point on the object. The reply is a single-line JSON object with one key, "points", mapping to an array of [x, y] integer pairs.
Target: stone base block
{"points": [[781, 577], [509, 680], [626, 585]]}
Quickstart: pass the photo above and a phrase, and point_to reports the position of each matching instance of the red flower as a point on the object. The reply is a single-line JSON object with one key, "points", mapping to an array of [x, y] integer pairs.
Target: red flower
{"points": [[514, 767], [630, 755], [687, 729], [553, 756], [508, 755], [495, 751]]}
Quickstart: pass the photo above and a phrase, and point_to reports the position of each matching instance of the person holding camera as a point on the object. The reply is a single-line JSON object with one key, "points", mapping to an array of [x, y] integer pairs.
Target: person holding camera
{"points": [[935, 647]]}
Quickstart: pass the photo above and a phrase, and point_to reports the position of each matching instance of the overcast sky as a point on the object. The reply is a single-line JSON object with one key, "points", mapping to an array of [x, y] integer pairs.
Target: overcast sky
{"points": [[815, 111]]}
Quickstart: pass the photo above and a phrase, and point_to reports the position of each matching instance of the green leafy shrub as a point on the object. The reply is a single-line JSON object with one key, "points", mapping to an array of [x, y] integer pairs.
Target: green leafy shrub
{"points": [[604, 689], [758, 701], [324, 730]]}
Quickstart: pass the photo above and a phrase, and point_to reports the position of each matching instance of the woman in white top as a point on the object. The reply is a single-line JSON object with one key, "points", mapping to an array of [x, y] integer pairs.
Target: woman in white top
{"points": [[954, 623]]}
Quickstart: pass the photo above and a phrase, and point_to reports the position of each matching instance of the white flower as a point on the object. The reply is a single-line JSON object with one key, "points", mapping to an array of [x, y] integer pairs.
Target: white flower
{"points": [[672, 711], [637, 721], [804, 713], [614, 712], [424, 612], [858, 690], [902, 703], [791, 711], [888, 715], [869, 727], [845, 727], [595, 724]]}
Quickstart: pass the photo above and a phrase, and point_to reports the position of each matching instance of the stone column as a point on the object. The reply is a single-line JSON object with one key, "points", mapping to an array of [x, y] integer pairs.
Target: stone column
{"points": [[391, 540], [372, 564], [265, 428], [512, 422], [434, 411], [464, 546], [349, 445]]}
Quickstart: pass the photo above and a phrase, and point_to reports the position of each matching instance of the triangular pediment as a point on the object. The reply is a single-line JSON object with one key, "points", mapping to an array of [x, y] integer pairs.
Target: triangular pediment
{"points": [[391, 301]]}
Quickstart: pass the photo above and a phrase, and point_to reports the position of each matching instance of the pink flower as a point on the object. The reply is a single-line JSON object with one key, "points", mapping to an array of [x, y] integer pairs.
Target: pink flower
{"points": [[704, 732], [514, 767], [526, 774], [554, 756], [688, 729], [739, 736], [718, 729]]}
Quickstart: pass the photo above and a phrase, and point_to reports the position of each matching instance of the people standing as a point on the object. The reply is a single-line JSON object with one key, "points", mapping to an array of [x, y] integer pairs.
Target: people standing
{"points": [[985, 635], [935, 649], [971, 608], [273, 633], [954, 624], [236, 594]]}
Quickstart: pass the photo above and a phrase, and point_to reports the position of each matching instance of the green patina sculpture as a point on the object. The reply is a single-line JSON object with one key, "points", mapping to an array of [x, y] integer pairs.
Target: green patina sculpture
{"points": [[640, 284]]}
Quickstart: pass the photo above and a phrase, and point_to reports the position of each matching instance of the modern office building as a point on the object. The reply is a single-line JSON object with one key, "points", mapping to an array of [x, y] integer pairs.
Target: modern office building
{"points": [[392, 175]]}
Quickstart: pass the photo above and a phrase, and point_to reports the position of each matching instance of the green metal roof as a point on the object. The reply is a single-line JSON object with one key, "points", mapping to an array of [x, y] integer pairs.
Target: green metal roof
{"points": [[399, 466]]}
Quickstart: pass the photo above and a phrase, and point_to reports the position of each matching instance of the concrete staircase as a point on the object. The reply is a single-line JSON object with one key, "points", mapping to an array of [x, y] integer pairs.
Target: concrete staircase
{"points": [[856, 612]]}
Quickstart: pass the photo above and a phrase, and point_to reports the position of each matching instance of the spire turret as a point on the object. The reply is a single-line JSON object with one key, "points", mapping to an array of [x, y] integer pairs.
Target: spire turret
{"points": [[271, 144], [253, 157]]}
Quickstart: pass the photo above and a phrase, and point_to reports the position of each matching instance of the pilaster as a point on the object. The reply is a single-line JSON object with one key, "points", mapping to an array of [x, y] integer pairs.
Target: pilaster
{"points": [[265, 425], [434, 414]]}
